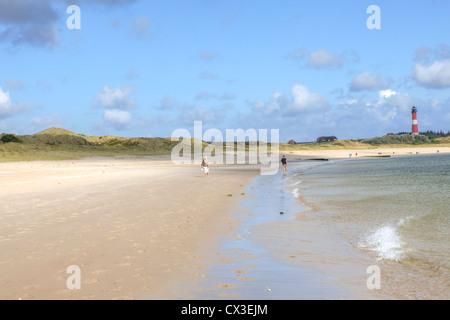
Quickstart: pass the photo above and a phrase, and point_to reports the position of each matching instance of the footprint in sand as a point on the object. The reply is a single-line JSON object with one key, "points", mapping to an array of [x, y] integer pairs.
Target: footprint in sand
{"points": [[31, 287], [227, 286], [125, 264], [99, 272], [90, 281], [246, 279], [240, 271]]}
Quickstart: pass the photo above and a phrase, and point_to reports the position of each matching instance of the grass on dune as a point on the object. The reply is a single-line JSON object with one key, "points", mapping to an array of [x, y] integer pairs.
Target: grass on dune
{"points": [[61, 144]]}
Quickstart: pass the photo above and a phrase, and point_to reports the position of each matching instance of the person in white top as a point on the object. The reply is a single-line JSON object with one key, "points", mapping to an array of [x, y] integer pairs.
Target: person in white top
{"points": [[205, 166]]}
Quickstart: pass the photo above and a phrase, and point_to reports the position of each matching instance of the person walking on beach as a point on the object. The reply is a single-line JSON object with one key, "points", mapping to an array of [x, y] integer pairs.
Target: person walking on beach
{"points": [[284, 163], [205, 166]]}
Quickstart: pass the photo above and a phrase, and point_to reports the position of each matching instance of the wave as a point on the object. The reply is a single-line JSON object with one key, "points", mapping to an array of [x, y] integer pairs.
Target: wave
{"points": [[296, 193], [386, 242]]}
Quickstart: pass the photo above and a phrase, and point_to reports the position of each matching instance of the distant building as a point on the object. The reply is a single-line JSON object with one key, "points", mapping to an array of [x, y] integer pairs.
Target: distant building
{"points": [[292, 142], [390, 134], [326, 139]]}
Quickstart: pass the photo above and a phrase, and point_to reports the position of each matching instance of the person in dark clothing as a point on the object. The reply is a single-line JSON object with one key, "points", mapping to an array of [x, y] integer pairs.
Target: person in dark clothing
{"points": [[284, 163]]}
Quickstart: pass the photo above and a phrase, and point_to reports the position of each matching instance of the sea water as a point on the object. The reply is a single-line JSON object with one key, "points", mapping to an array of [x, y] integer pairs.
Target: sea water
{"points": [[340, 218], [395, 210]]}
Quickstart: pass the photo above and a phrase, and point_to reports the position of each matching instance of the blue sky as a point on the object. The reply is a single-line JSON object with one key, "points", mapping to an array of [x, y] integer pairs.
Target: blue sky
{"points": [[146, 68]]}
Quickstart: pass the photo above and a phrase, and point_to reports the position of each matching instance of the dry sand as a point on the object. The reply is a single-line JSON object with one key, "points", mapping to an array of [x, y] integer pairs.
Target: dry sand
{"points": [[340, 154], [132, 226]]}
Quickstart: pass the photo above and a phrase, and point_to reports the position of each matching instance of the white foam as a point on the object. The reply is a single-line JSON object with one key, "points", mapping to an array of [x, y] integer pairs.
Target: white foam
{"points": [[296, 193], [386, 242]]}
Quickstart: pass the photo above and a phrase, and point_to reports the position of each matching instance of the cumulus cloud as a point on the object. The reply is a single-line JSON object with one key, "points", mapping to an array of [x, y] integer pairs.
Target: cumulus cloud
{"points": [[301, 100], [305, 100], [118, 119], [7, 107], [435, 75], [117, 98], [366, 81], [36, 22], [428, 54], [28, 22], [320, 59], [324, 59]]}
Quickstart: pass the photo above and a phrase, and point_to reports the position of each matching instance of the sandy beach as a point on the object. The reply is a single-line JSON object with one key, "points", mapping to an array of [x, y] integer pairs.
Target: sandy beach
{"points": [[341, 154], [138, 228], [132, 226]]}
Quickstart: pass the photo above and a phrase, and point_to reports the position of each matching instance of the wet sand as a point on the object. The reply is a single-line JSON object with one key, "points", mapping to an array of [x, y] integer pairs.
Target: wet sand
{"points": [[274, 256]]}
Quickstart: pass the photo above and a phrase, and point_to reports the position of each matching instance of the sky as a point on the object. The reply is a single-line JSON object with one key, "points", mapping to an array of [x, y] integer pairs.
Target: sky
{"points": [[142, 68]]}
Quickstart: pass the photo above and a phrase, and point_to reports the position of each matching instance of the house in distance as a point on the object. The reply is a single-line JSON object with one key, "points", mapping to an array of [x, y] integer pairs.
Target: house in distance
{"points": [[326, 139]]}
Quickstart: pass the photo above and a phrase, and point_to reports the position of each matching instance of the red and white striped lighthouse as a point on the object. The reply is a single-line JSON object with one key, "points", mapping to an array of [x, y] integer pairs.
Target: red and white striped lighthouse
{"points": [[415, 126]]}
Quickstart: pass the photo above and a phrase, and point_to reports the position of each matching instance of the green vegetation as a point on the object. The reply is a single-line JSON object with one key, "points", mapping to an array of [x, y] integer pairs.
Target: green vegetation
{"points": [[336, 145], [428, 138], [61, 144], [7, 138], [400, 139]]}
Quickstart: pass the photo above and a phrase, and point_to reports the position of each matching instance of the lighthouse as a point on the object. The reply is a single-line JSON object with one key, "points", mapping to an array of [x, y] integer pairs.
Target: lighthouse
{"points": [[415, 126]]}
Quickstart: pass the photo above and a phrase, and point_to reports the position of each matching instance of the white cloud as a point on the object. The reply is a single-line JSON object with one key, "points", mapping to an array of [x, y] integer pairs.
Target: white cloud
{"points": [[320, 59], [305, 100], [7, 107], [385, 94], [117, 119], [427, 54], [435, 75], [118, 98], [301, 100], [366, 81]]}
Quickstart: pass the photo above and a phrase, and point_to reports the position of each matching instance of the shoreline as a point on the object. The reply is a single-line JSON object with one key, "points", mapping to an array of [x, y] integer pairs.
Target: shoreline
{"points": [[366, 153], [267, 259], [142, 228], [133, 227]]}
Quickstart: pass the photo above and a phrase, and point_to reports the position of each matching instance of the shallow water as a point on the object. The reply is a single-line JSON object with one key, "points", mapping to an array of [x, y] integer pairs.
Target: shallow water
{"points": [[395, 210], [261, 260], [340, 219]]}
